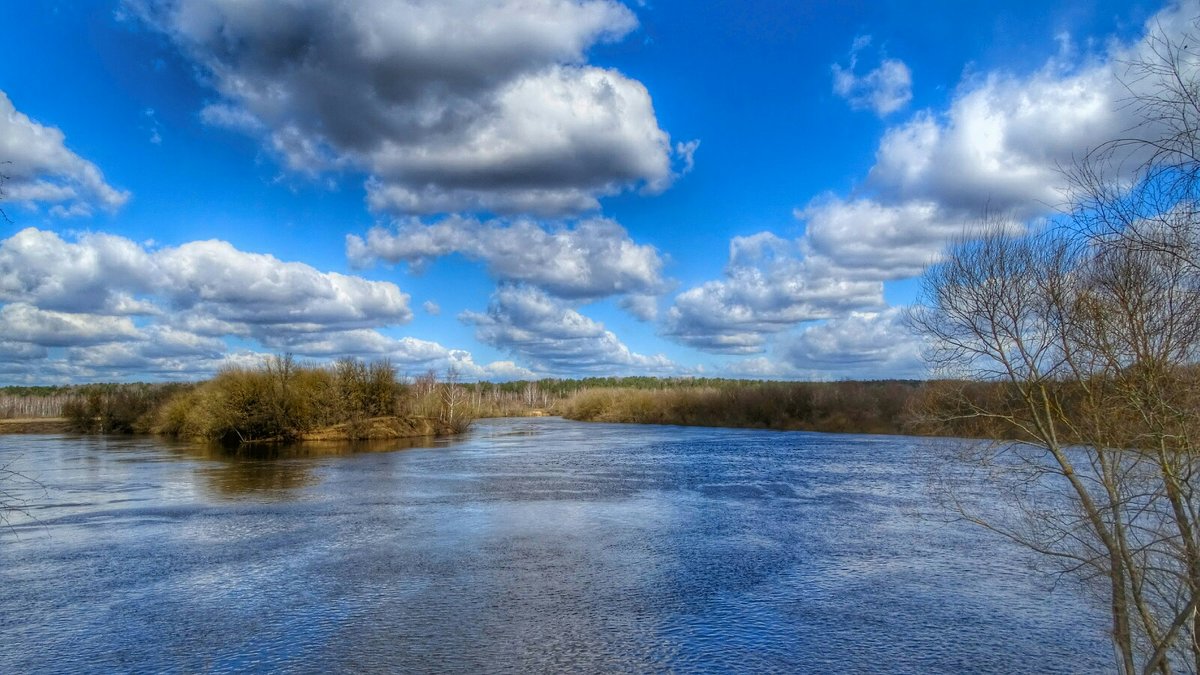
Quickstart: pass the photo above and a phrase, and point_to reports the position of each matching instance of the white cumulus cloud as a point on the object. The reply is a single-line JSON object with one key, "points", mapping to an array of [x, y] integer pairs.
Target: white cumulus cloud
{"points": [[20, 322], [769, 286], [555, 338], [999, 147], [41, 170], [594, 258], [99, 306], [468, 105], [884, 90], [864, 344], [205, 283]]}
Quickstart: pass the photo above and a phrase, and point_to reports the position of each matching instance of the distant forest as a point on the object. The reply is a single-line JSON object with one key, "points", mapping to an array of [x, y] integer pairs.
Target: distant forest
{"points": [[317, 397]]}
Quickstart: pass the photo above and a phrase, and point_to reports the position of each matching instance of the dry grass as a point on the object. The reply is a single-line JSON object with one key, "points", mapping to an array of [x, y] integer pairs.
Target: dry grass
{"points": [[861, 407]]}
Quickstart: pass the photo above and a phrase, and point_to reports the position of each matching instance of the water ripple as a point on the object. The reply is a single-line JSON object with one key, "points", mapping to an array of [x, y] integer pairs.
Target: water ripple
{"points": [[528, 546]]}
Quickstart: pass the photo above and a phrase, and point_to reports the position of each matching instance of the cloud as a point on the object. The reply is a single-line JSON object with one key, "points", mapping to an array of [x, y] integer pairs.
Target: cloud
{"points": [[475, 105], [155, 127], [202, 283], [431, 308], [20, 322], [884, 90], [593, 259], [114, 362], [407, 354], [862, 344], [642, 307], [19, 353], [768, 287], [230, 117], [998, 147], [97, 273], [1003, 141], [99, 306], [867, 240], [42, 170], [159, 350], [686, 152], [268, 295], [358, 342], [555, 338], [499, 371], [462, 364]]}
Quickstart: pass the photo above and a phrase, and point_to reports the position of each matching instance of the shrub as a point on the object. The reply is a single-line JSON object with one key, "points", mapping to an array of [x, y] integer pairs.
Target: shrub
{"points": [[283, 401]]}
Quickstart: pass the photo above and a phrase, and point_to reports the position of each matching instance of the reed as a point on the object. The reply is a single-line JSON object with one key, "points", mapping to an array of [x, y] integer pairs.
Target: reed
{"points": [[862, 407]]}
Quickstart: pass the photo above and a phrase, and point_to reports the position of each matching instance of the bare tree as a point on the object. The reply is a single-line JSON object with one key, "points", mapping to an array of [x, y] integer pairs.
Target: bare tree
{"points": [[454, 414], [1090, 348], [1146, 293], [1090, 333]]}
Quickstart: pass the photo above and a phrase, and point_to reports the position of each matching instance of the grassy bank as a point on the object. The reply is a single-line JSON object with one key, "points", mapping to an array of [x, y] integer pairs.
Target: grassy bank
{"points": [[860, 407], [34, 425], [910, 407]]}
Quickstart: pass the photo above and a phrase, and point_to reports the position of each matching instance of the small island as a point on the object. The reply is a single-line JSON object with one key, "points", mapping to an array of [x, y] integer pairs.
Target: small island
{"points": [[280, 401]]}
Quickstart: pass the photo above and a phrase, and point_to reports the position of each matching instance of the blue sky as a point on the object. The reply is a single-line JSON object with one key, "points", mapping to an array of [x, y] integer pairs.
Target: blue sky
{"points": [[518, 189]]}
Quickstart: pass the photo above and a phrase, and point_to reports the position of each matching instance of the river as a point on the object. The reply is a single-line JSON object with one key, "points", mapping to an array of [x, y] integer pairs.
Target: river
{"points": [[526, 545]]}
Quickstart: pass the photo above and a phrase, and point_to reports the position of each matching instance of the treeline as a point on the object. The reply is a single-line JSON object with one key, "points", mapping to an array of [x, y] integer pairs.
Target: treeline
{"points": [[958, 408], [553, 389], [118, 408], [26, 402], [283, 401]]}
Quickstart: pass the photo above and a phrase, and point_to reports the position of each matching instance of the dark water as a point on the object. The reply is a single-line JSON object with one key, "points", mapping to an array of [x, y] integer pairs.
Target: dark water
{"points": [[532, 545]]}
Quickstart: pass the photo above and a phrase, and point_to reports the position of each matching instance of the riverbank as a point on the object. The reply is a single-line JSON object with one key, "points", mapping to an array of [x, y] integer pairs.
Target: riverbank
{"points": [[35, 425], [841, 407], [378, 429], [284, 402]]}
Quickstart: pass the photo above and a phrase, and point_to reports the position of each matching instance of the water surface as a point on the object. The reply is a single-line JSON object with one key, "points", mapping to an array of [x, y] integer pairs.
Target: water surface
{"points": [[529, 545]]}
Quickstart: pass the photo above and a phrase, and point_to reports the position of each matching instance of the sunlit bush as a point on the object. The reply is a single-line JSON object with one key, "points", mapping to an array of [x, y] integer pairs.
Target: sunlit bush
{"points": [[284, 401]]}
